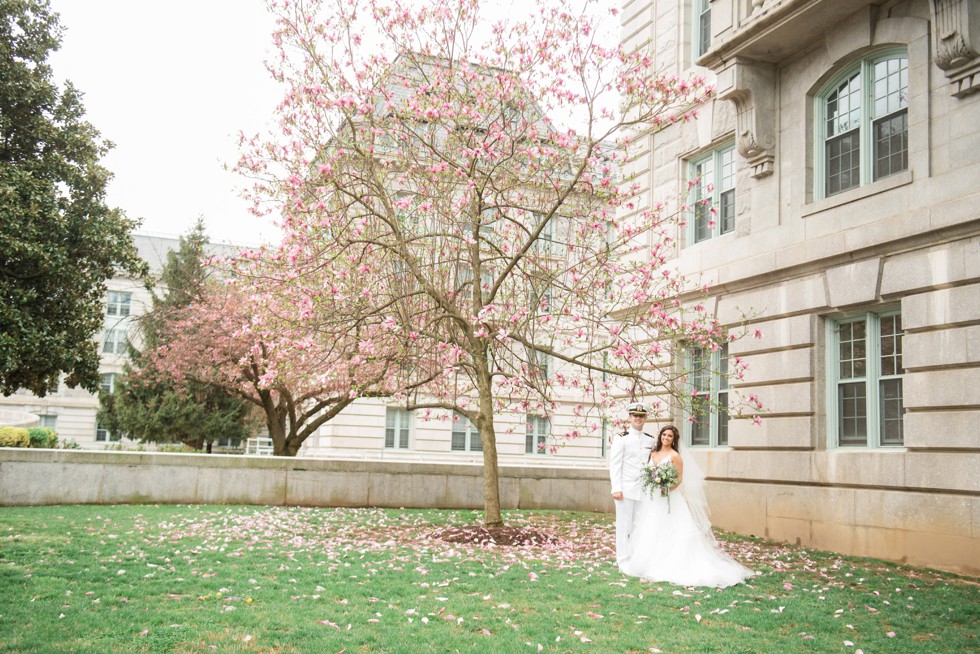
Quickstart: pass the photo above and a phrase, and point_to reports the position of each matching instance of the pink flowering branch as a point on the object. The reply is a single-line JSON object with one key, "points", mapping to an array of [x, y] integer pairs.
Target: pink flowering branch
{"points": [[459, 195]]}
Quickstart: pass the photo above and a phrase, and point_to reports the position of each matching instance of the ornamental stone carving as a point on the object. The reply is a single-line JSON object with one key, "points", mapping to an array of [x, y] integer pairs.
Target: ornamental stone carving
{"points": [[956, 38], [753, 91]]}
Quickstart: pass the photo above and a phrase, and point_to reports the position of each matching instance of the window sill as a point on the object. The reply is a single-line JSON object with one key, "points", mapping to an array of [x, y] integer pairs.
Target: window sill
{"points": [[860, 193], [865, 449], [713, 239]]}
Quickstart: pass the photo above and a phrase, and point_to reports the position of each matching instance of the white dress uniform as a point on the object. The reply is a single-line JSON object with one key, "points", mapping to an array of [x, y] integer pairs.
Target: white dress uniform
{"points": [[627, 457]]}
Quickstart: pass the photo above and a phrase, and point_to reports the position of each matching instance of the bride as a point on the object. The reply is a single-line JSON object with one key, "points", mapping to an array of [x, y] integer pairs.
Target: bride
{"points": [[672, 541]]}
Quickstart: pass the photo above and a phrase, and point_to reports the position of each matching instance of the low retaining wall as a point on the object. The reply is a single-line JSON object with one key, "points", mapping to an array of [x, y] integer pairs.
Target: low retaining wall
{"points": [[35, 477], [929, 529]]}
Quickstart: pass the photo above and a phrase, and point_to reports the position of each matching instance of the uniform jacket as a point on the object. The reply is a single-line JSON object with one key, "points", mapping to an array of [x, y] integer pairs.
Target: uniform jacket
{"points": [[629, 453]]}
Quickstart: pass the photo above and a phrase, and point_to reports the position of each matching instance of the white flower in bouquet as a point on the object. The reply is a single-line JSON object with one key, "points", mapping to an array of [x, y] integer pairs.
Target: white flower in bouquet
{"points": [[659, 479]]}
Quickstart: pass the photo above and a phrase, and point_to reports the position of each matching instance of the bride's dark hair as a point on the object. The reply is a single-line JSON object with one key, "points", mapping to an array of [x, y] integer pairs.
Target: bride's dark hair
{"points": [[677, 439]]}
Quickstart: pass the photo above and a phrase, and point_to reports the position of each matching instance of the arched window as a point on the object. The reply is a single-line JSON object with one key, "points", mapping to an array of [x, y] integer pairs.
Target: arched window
{"points": [[863, 123]]}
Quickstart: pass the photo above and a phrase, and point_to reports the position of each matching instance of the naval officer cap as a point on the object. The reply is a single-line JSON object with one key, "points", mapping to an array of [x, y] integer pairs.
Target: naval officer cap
{"points": [[637, 409]]}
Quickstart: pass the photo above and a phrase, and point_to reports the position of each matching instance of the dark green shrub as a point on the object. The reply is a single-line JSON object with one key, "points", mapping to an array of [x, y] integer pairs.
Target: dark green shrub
{"points": [[43, 437], [14, 437]]}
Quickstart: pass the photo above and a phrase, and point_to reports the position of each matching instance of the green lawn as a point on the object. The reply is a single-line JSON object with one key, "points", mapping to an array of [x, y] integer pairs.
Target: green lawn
{"points": [[127, 579]]}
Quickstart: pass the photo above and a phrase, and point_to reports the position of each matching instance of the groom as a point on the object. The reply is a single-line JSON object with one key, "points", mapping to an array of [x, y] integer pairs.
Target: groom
{"points": [[626, 460]]}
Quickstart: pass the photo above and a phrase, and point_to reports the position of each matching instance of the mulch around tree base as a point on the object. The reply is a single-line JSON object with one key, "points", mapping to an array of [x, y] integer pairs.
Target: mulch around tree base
{"points": [[482, 535]]}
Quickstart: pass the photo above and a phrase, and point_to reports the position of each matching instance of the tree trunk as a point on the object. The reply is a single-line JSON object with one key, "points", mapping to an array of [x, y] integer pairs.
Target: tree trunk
{"points": [[491, 479], [275, 422], [488, 437], [276, 425], [292, 446]]}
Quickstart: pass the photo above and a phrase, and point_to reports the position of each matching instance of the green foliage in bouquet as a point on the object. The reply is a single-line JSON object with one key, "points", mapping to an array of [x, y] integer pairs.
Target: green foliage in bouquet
{"points": [[658, 479]]}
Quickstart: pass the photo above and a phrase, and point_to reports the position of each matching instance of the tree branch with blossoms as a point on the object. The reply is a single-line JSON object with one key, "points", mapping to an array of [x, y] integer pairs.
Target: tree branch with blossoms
{"points": [[470, 176]]}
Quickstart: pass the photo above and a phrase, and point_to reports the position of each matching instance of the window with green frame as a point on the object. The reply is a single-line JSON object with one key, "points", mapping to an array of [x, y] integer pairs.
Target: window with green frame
{"points": [[538, 430], [713, 180], [701, 27], [862, 123], [865, 378], [709, 390]]}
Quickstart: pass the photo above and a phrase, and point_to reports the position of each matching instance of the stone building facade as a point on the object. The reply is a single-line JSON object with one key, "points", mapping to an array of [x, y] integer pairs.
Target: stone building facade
{"points": [[72, 411], [369, 429], [836, 201]]}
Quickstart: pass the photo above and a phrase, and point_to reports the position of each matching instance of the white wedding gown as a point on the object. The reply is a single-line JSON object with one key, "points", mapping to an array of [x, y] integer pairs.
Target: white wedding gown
{"points": [[676, 545]]}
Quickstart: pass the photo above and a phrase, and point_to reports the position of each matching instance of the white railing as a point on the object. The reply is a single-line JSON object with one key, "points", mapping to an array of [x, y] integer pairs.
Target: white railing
{"points": [[260, 446]]}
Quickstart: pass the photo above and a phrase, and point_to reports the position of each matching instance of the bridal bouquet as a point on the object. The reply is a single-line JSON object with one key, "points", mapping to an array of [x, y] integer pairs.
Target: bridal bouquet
{"points": [[659, 478]]}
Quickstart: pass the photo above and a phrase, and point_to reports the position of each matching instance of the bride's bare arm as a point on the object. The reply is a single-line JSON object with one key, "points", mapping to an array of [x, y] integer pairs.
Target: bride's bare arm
{"points": [[679, 464]]}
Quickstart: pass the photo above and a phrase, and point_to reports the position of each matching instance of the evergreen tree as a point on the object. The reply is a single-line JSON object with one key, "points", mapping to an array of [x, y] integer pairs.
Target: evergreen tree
{"points": [[150, 407], [61, 241]]}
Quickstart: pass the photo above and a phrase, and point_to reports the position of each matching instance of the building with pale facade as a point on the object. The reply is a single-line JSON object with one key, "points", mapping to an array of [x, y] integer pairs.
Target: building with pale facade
{"points": [[836, 199], [72, 411], [368, 429]]}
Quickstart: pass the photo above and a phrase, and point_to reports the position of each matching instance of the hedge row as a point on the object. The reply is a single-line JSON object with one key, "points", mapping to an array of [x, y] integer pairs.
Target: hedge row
{"points": [[43, 437]]}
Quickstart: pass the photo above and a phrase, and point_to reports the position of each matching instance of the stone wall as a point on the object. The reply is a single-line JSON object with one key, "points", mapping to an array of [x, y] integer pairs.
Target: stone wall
{"points": [[37, 477]]}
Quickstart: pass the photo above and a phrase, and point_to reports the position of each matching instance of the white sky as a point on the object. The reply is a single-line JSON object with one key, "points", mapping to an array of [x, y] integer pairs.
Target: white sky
{"points": [[171, 84]]}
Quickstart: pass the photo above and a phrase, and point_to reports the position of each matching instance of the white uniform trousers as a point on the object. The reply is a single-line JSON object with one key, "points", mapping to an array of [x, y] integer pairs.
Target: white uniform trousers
{"points": [[625, 513]]}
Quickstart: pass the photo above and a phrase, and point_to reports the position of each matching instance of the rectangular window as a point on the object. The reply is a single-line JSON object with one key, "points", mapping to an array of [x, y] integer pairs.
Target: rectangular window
{"points": [[398, 423], [116, 331], [713, 189], [701, 394], [890, 116], [103, 435], [114, 340], [891, 145], [538, 431], [866, 376], [709, 392], [49, 421], [545, 243], [542, 366], [118, 303], [541, 300], [108, 384], [701, 27], [722, 397], [465, 437]]}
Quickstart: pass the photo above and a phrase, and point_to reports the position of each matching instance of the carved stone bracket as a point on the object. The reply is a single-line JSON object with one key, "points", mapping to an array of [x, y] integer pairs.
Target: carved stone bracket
{"points": [[753, 91], [956, 38]]}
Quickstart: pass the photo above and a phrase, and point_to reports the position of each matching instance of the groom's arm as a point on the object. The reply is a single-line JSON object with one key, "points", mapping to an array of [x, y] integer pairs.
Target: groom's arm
{"points": [[616, 466]]}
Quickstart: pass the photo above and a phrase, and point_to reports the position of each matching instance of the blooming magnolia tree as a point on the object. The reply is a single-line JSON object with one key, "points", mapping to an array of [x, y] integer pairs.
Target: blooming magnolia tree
{"points": [[468, 176], [298, 377]]}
